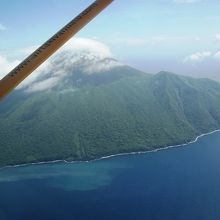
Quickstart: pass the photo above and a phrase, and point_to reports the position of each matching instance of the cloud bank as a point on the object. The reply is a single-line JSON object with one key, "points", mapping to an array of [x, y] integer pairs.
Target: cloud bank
{"points": [[87, 55], [202, 56]]}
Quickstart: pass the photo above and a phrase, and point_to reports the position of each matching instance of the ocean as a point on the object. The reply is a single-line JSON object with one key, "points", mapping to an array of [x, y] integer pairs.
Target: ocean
{"points": [[177, 183]]}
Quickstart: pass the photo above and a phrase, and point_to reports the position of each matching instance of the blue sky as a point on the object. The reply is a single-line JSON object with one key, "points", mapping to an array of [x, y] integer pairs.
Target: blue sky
{"points": [[181, 36]]}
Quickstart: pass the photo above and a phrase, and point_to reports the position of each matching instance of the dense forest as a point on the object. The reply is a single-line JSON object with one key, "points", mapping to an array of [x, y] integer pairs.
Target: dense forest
{"points": [[109, 113]]}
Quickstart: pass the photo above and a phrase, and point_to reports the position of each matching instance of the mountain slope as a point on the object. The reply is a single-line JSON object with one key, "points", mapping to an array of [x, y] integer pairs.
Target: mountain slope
{"points": [[133, 112]]}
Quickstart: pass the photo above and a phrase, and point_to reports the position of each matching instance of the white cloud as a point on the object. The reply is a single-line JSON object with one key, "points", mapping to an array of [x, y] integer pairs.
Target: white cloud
{"points": [[202, 56], [199, 56], [217, 55], [44, 85], [6, 65], [90, 56], [102, 66], [28, 50], [2, 27], [217, 37]]}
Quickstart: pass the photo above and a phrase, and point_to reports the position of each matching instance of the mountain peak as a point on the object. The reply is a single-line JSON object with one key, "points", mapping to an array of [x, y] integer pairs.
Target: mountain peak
{"points": [[111, 115], [79, 59], [166, 73]]}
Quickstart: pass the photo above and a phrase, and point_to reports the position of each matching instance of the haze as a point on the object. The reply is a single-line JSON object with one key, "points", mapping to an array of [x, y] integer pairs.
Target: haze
{"points": [[180, 36]]}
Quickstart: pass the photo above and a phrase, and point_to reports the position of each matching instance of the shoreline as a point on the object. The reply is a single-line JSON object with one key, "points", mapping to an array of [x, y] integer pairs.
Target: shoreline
{"points": [[113, 155]]}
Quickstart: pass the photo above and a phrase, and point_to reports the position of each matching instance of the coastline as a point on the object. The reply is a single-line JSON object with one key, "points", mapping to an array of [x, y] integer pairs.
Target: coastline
{"points": [[113, 155]]}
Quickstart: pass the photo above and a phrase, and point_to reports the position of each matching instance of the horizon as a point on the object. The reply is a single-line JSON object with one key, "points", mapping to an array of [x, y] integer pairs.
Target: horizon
{"points": [[181, 45]]}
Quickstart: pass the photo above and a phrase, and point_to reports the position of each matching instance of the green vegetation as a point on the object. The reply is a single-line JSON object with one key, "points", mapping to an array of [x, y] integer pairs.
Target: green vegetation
{"points": [[135, 113]]}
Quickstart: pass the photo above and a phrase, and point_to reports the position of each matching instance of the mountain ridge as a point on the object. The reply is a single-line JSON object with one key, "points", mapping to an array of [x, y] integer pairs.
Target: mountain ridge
{"points": [[120, 110]]}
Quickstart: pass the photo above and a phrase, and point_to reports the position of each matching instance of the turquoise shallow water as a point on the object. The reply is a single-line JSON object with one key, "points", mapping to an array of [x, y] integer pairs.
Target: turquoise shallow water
{"points": [[178, 183]]}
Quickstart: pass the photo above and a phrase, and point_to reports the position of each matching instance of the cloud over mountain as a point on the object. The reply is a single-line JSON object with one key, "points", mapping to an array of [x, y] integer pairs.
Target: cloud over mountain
{"points": [[87, 55]]}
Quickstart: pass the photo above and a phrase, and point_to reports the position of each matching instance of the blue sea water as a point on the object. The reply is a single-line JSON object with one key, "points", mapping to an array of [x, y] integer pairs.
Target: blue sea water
{"points": [[175, 184]]}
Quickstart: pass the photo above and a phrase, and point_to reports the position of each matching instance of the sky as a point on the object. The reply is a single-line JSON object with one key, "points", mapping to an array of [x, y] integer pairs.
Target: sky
{"points": [[180, 36]]}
